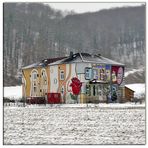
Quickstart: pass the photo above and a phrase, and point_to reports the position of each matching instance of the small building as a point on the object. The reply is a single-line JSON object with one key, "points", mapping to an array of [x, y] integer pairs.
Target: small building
{"points": [[129, 94], [78, 78]]}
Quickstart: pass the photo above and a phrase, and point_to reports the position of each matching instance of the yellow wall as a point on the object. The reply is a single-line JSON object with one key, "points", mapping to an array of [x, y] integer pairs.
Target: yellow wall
{"points": [[82, 98], [48, 75], [27, 73], [68, 73]]}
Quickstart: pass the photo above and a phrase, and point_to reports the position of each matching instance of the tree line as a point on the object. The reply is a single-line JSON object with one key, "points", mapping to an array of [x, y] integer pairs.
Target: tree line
{"points": [[35, 31]]}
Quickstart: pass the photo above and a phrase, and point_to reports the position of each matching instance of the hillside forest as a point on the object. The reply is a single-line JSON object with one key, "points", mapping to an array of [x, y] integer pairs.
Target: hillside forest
{"points": [[35, 31]]}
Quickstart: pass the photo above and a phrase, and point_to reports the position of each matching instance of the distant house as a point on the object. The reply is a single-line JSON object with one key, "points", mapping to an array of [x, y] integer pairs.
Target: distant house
{"points": [[78, 78], [129, 94]]}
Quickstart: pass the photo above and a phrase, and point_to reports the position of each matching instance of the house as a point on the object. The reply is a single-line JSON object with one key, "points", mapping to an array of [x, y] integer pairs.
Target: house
{"points": [[78, 78], [129, 94]]}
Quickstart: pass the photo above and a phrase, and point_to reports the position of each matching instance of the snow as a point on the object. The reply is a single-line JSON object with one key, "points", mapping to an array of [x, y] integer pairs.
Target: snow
{"points": [[13, 92], [139, 89], [133, 71], [100, 105], [79, 125], [127, 105]]}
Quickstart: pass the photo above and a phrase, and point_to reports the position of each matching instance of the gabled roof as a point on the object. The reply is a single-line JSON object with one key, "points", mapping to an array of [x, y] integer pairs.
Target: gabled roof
{"points": [[87, 58], [129, 88], [74, 58], [43, 63]]}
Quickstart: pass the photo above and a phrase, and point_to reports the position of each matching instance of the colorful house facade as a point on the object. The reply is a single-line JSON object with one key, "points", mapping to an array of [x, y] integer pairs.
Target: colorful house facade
{"points": [[78, 78]]}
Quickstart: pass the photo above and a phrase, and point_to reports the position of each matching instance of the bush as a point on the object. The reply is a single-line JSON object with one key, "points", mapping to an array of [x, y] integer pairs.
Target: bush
{"points": [[6, 100]]}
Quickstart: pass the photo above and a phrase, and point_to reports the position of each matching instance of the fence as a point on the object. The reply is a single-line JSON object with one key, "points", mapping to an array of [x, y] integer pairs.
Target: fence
{"points": [[14, 104]]}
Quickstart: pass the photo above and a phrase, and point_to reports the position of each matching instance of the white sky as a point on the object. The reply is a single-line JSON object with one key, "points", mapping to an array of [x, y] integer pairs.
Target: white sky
{"points": [[89, 7]]}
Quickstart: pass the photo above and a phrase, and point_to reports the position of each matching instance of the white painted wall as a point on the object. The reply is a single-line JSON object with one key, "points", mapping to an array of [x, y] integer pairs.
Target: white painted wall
{"points": [[68, 88], [53, 78]]}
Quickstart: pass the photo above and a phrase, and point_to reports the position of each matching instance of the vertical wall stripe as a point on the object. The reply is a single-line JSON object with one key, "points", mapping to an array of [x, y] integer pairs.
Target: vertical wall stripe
{"points": [[24, 85], [48, 75], [68, 77], [61, 82]]}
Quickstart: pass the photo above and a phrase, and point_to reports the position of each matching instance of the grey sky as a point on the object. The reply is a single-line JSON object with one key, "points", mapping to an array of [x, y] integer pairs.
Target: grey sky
{"points": [[89, 7]]}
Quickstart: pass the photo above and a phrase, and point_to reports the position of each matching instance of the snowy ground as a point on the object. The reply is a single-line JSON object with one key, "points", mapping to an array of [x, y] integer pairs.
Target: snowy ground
{"points": [[75, 125], [134, 71], [13, 92]]}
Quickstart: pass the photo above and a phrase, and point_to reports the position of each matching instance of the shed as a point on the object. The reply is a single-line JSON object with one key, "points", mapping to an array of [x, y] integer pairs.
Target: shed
{"points": [[129, 93]]}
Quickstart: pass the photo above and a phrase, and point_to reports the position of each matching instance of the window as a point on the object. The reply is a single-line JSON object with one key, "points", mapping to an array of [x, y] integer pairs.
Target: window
{"points": [[95, 74], [44, 82], [55, 81], [88, 90], [62, 90], [61, 74], [102, 74], [34, 82], [34, 76], [34, 89], [88, 73], [94, 90], [107, 75], [44, 77]]}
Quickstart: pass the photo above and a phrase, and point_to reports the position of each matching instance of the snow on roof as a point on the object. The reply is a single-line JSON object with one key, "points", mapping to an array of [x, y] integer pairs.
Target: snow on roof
{"points": [[31, 66], [99, 59], [87, 58], [139, 89], [43, 63], [75, 58], [129, 88]]}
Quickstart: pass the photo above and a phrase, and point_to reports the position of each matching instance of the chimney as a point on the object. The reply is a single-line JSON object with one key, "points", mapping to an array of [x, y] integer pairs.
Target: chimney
{"points": [[71, 54]]}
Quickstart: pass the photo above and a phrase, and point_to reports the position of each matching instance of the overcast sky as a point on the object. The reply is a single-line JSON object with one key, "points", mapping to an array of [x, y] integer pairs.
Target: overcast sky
{"points": [[89, 7]]}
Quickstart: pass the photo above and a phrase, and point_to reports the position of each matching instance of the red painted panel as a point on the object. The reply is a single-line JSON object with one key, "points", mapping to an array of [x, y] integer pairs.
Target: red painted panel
{"points": [[54, 98], [117, 74]]}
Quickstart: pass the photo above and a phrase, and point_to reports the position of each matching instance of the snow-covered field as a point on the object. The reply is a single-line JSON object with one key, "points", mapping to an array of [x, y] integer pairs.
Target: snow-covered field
{"points": [[134, 71], [13, 92], [74, 125]]}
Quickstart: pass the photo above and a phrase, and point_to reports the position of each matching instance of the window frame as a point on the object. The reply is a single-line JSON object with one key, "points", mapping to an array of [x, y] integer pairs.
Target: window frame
{"points": [[62, 75], [90, 73], [34, 81]]}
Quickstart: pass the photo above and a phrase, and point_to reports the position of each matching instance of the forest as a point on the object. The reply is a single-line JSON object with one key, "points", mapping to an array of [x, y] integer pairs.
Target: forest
{"points": [[35, 31]]}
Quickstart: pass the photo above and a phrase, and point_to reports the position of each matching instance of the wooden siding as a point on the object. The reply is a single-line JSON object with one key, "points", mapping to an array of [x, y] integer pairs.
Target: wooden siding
{"points": [[128, 94]]}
